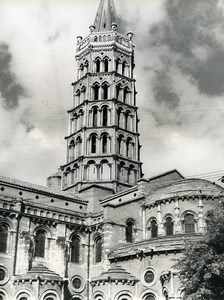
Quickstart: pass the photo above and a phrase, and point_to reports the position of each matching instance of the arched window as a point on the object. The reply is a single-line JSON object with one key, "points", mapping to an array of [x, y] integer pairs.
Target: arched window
{"points": [[97, 65], [71, 150], [106, 65], [169, 226], [105, 170], [189, 223], [96, 89], [104, 143], [105, 91], [149, 297], [119, 117], [123, 67], [128, 147], [120, 141], [92, 171], [95, 112], [105, 116], [98, 249], [40, 243], [93, 143], [117, 64], [129, 231], [75, 249], [153, 229], [4, 231], [118, 91], [126, 95]]}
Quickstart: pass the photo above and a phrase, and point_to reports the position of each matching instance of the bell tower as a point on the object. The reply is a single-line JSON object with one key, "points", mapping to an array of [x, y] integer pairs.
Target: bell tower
{"points": [[103, 140]]}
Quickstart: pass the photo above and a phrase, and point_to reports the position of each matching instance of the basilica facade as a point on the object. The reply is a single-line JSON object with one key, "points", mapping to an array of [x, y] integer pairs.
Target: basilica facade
{"points": [[100, 230]]}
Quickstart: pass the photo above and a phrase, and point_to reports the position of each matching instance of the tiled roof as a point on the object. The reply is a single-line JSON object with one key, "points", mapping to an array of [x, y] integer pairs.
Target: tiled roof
{"points": [[40, 188], [186, 187], [115, 273], [41, 272]]}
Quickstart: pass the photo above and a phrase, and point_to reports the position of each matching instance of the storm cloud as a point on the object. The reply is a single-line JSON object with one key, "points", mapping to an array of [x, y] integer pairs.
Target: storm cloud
{"points": [[10, 89], [189, 41]]}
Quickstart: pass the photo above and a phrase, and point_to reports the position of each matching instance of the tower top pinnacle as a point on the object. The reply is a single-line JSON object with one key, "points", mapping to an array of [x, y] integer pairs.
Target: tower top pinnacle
{"points": [[106, 16]]}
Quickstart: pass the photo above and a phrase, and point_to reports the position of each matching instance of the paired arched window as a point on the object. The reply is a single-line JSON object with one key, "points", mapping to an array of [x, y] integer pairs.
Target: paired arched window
{"points": [[105, 91], [93, 143], [95, 112], [105, 116], [169, 226], [75, 249], [129, 231], [154, 229], [4, 232], [98, 249], [97, 65], [104, 143], [106, 65], [189, 223], [124, 67], [40, 243], [96, 91]]}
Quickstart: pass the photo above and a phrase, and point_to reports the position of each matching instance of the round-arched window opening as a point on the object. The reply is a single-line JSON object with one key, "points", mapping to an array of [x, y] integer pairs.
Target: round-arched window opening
{"points": [[23, 298], [149, 276], [1, 297], [76, 282], [2, 275], [150, 297], [49, 298]]}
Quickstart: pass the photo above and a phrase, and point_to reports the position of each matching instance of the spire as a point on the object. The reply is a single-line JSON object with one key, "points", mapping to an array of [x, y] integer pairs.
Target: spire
{"points": [[106, 15]]}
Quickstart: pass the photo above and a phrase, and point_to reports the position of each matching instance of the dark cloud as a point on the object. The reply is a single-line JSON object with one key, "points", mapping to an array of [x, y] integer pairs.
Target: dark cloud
{"points": [[188, 32], [10, 89]]}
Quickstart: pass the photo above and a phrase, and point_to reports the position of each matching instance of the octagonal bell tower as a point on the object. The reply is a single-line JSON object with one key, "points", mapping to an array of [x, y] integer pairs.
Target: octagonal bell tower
{"points": [[103, 139]]}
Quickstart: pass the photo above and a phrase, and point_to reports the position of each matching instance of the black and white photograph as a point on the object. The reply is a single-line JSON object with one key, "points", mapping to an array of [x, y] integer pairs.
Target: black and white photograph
{"points": [[111, 149]]}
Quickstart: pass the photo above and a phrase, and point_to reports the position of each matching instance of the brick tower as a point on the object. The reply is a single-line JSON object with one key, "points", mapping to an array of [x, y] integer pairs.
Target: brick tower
{"points": [[103, 139]]}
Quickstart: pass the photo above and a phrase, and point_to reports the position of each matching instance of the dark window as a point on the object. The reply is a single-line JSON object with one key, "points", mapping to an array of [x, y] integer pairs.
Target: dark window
{"points": [[105, 91], [96, 89], [97, 65], [150, 297], [123, 68], [125, 94], [3, 238], [189, 223], [106, 64], [40, 243], [153, 229], [2, 274], [105, 117], [117, 64], [75, 249], [169, 226], [118, 90], [98, 249], [129, 231], [93, 144], [76, 282], [95, 117], [104, 143], [149, 276]]}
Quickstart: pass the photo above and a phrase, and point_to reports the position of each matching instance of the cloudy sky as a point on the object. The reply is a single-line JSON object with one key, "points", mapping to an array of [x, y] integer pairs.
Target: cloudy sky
{"points": [[179, 73]]}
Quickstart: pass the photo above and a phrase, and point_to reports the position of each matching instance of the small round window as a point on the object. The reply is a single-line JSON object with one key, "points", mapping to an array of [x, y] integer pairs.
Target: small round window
{"points": [[76, 282], [149, 276], [2, 274]]}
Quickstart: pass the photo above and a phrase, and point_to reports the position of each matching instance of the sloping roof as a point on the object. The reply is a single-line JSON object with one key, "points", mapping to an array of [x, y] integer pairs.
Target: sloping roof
{"points": [[186, 187], [115, 273], [39, 188], [39, 272], [106, 15]]}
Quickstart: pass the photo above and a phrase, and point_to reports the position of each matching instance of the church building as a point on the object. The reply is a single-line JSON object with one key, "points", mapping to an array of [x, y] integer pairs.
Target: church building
{"points": [[100, 230]]}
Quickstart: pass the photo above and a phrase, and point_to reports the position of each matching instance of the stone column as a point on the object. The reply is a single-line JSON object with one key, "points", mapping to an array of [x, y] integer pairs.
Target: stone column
{"points": [[201, 221], [177, 222], [159, 221]]}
